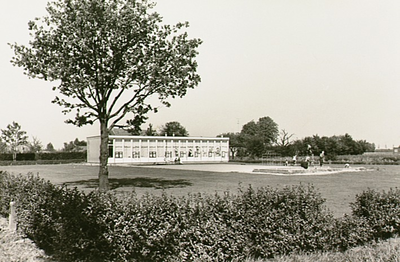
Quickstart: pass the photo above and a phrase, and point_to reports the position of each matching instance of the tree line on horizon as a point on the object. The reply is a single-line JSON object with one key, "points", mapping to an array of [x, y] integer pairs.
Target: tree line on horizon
{"points": [[14, 140], [257, 139], [172, 128], [263, 137]]}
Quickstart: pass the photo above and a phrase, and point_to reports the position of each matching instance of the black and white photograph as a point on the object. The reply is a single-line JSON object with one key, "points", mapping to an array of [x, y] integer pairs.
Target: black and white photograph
{"points": [[188, 130]]}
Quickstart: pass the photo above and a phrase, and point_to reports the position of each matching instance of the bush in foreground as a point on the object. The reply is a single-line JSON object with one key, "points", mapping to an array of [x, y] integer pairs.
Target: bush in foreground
{"points": [[381, 210], [259, 223]]}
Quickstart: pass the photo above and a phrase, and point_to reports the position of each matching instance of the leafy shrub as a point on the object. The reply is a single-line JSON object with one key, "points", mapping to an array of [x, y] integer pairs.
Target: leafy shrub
{"points": [[59, 220], [64, 224], [381, 210], [145, 229], [259, 223], [216, 231], [280, 221], [349, 231], [20, 189]]}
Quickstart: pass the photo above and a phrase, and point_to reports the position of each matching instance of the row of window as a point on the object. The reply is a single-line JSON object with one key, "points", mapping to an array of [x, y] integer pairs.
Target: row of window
{"points": [[169, 154]]}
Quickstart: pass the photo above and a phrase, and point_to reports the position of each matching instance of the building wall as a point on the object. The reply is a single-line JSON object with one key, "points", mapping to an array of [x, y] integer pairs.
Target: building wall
{"points": [[93, 149], [142, 149]]}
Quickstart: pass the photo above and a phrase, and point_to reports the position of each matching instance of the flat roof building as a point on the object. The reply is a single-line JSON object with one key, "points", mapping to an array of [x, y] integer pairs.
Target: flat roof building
{"points": [[159, 149]]}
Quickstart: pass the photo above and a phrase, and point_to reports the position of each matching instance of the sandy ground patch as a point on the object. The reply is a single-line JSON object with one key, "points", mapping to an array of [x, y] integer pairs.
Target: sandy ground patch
{"points": [[16, 247]]}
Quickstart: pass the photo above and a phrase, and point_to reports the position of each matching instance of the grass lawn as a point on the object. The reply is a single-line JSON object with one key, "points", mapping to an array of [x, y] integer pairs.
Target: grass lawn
{"points": [[338, 189]]}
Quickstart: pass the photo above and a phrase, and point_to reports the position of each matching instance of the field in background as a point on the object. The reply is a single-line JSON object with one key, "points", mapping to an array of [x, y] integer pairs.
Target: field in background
{"points": [[338, 189]]}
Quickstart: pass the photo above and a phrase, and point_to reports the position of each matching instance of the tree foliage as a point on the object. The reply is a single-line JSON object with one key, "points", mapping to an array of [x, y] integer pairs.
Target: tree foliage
{"points": [[257, 136], [74, 146], [108, 57], [50, 147], [35, 146], [332, 146], [150, 131], [102, 50], [14, 137], [173, 128]]}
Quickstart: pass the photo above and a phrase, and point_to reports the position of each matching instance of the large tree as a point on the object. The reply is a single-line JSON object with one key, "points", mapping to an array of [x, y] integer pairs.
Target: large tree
{"points": [[173, 128], [14, 137], [257, 136], [35, 146], [50, 147], [284, 142], [108, 58]]}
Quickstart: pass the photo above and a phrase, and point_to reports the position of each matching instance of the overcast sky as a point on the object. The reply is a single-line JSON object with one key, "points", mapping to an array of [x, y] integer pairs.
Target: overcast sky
{"points": [[315, 67]]}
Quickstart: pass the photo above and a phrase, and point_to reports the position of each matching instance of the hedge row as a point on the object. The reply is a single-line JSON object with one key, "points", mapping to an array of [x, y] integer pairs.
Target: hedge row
{"points": [[44, 156], [254, 223], [40, 162]]}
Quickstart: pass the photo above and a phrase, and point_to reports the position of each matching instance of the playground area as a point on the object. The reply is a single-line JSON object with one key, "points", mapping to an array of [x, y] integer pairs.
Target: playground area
{"points": [[262, 168]]}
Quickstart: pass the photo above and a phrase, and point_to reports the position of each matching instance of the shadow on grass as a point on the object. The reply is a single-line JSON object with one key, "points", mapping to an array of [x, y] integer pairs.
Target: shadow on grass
{"points": [[157, 183]]}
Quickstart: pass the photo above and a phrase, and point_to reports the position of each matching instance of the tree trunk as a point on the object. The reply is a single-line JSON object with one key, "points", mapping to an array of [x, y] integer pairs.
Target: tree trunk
{"points": [[103, 172]]}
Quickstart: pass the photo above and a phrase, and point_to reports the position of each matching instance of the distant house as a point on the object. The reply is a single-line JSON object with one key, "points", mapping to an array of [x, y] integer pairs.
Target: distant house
{"points": [[22, 148], [126, 148]]}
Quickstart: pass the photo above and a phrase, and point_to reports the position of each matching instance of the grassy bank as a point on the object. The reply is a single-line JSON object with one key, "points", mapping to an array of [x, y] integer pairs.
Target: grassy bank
{"points": [[380, 252]]}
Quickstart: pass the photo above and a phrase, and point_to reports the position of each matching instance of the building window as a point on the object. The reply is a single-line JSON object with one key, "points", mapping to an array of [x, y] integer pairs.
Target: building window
{"points": [[218, 151], [211, 152], [127, 151], [110, 148], [168, 154], [136, 154], [152, 154], [183, 153], [119, 154]]}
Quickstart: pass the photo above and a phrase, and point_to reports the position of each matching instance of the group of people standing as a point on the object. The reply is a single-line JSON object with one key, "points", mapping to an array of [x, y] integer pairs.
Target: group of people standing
{"points": [[309, 158]]}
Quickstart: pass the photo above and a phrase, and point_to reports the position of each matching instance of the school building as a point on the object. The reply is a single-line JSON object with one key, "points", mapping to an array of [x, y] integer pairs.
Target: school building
{"points": [[159, 149]]}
